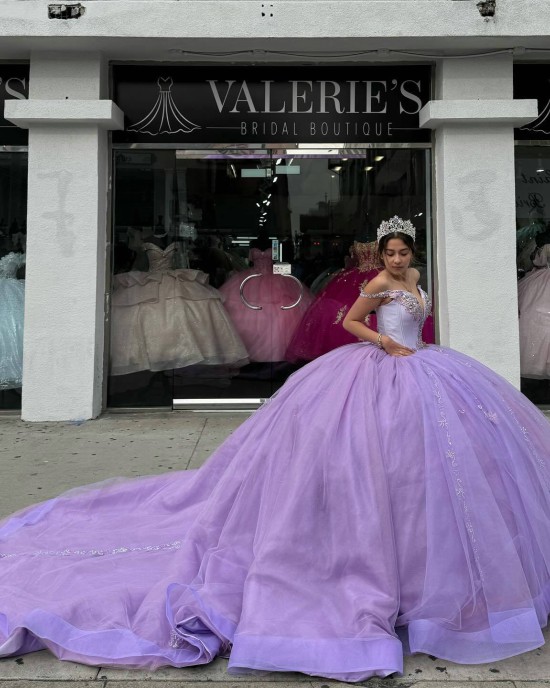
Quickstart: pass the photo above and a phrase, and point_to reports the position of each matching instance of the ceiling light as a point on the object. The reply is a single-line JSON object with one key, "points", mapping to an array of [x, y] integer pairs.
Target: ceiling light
{"points": [[540, 170], [378, 158], [279, 161], [337, 168], [259, 206], [368, 168]]}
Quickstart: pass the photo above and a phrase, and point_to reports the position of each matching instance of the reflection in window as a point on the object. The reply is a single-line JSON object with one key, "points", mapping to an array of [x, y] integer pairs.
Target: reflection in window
{"points": [[13, 210], [232, 270], [533, 261]]}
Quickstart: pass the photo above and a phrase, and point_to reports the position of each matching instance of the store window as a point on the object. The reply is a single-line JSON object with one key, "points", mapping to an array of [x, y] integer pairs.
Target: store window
{"points": [[233, 268], [13, 212], [533, 261]]}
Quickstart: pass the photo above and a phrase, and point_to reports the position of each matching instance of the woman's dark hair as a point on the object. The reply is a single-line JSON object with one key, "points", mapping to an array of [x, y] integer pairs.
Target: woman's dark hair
{"points": [[405, 238]]}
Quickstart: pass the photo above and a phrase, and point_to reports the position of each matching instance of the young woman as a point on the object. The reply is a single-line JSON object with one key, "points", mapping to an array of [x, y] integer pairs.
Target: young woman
{"points": [[389, 498]]}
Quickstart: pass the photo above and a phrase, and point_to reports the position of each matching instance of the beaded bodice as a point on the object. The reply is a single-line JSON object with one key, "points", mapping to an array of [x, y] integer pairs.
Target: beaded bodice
{"points": [[403, 317], [365, 255], [160, 259]]}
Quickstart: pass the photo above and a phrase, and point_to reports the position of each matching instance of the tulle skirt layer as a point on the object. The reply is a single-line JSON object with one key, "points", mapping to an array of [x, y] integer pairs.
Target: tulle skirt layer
{"points": [[167, 320], [374, 506], [265, 331]]}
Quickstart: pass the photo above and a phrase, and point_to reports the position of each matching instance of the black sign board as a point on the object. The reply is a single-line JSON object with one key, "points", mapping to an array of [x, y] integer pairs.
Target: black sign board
{"points": [[14, 83], [533, 81], [186, 104]]}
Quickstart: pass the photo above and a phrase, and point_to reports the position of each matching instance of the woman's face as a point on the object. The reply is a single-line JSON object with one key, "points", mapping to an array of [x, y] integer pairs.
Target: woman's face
{"points": [[397, 257]]}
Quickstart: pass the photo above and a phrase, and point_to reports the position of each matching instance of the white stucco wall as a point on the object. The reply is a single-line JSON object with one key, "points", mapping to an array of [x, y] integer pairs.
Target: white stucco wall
{"points": [[214, 25], [475, 194], [66, 244]]}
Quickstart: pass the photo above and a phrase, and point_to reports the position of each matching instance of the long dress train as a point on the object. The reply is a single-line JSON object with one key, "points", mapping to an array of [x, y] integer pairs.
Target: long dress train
{"points": [[374, 506]]}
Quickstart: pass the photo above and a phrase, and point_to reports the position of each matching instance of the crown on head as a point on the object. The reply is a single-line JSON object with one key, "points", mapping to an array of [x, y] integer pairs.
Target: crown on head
{"points": [[395, 224]]}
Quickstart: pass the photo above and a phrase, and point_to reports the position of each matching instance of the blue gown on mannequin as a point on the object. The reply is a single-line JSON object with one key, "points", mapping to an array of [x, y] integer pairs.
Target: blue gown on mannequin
{"points": [[12, 305]]}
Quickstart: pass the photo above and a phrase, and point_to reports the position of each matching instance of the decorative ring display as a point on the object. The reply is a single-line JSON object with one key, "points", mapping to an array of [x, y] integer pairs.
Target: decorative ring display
{"points": [[259, 308]]}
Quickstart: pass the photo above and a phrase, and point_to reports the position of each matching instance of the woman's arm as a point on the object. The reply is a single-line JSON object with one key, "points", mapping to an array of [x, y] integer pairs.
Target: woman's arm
{"points": [[354, 322]]}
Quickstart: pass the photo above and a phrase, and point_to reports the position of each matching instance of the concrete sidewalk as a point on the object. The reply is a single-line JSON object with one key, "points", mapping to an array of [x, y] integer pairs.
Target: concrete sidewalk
{"points": [[40, 460]]}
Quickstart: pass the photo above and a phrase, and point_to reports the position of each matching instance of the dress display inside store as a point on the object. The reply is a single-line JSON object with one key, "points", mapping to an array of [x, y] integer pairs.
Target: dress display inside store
{"points": [[266, 308], [12, 310], [534, 314], [170, 317]]}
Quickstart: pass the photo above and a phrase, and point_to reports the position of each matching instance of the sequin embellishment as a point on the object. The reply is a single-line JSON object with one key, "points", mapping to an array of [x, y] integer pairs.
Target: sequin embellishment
{"points": [[94, 552], [340, 315]]}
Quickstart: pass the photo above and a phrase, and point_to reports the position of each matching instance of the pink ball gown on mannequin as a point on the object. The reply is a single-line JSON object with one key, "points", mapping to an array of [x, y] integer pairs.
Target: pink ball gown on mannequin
{"points": [[534, 317], [320, 330], [266, 332]]}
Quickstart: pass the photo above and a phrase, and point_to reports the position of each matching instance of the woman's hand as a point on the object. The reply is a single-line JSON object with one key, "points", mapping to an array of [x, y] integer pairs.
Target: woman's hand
{"points": [[393, 348]]}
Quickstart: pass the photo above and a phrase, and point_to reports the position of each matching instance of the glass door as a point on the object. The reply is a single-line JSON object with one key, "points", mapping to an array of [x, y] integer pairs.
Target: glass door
{"points": [[233, 268]]}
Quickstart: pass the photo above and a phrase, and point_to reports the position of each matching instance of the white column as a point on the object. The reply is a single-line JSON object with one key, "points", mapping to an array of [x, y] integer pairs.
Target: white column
{"points": [[66, 234], [474, 116]]}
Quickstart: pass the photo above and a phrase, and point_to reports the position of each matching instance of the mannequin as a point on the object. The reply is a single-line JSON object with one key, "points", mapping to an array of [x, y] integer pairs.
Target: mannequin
{"points": [[262, 241], [169, 317], [534, 313]]}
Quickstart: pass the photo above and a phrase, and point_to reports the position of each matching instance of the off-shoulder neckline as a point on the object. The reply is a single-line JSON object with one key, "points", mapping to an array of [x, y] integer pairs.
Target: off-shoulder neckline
{"points": [[381, 294]]}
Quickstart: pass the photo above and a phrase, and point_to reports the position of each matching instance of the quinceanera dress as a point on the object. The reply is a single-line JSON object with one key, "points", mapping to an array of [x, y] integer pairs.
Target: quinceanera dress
{"points": [[12, 307], [374, 505], [169, 318], [534, 317], [265, 331]]}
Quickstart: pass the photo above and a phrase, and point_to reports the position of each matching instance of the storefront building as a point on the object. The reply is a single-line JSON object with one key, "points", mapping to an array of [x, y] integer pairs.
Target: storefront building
{"points": [[200, 213]]}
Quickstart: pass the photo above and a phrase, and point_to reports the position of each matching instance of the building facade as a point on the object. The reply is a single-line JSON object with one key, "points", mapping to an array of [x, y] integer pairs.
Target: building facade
{"points": [[190, 190]]}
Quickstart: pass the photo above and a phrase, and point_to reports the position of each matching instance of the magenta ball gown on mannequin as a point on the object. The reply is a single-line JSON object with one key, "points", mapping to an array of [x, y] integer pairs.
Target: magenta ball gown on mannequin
{"points": [[374, 506]]}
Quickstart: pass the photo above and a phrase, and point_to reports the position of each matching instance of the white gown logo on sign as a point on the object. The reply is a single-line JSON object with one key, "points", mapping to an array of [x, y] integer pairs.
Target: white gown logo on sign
{"points": [[541, 123], [164, 117]]}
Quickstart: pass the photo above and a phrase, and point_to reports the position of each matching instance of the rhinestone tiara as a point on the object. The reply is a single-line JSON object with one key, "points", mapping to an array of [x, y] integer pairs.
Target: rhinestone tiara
{"points": [[395, 224]]}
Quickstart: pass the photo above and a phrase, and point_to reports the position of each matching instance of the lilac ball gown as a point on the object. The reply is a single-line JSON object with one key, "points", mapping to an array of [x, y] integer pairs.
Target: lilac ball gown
{"points": [[374, 506]]}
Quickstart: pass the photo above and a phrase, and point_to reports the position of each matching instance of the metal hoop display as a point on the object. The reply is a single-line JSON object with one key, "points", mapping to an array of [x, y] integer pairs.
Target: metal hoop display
{"points": [[259, 308]]}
